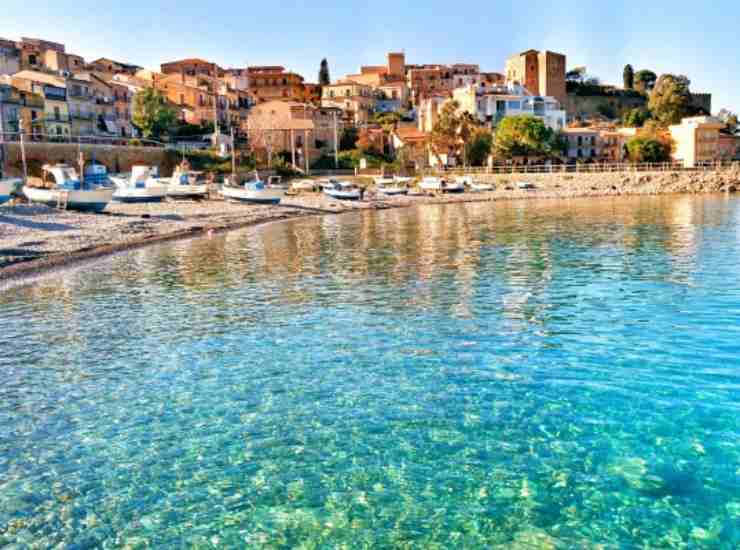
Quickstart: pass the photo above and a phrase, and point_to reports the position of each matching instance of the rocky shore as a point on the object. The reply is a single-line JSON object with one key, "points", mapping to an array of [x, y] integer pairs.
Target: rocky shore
{"points": [[33, 238]]}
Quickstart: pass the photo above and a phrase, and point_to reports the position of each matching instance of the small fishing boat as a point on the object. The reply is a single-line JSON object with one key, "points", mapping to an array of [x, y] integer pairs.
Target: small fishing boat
{"points": [[7, 187], [68, 192], [342, 190], [254, 191], [185, 184], [390, 187], [141, 185], [400, 180], [525, 185], [431, 184], [473, 185], [303, 185]]}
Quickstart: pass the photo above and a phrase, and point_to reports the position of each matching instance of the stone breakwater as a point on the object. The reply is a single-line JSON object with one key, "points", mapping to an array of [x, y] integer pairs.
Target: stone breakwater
{"points": [[33, 238]]}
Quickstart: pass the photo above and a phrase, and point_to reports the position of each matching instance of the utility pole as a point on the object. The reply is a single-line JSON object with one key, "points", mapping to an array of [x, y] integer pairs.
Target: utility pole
{"points": [[216, 129], [21, 127], [233, 156], [2, 141], [336, 143]]}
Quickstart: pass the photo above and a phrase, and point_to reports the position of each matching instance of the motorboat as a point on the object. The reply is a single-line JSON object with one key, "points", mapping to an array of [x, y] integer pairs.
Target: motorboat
{"points": [[276, 182], [400, 180], [142, 185], [7, 187], [185, 184], [525, 185], [303, 185], [67, 191], [390, 187], [342, 190], [473, 185], [254, 191], [431, 184]]}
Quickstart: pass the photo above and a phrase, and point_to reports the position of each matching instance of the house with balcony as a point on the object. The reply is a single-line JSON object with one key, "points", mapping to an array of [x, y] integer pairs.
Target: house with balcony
{"points": [[583, 143], [355, 99], [19, 108], [103, 103], [81, 107], [10, 57], [53, 89], [491, 103]]}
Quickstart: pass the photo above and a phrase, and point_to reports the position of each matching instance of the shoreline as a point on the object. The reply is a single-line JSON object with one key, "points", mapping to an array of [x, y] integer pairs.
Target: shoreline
{"points": [[129, 227]]}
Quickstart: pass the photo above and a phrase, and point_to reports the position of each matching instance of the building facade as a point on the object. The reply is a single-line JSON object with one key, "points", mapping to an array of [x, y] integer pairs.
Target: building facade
{"points": [[356, 99], [696, 140], [275, 83]]}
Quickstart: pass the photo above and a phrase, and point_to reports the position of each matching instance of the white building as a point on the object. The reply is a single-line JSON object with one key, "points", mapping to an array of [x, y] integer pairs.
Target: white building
{"points": [[491, 103]]}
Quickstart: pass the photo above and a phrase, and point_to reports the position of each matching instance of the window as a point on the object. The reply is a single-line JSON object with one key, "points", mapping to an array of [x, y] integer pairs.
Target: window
{"points": [[57, 115], [580, 141], [593, 152], [32, 60], [516, 105]]}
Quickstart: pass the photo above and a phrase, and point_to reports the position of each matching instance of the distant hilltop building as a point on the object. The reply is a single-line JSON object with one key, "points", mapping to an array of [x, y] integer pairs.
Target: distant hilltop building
{"points": [[542, 73]]}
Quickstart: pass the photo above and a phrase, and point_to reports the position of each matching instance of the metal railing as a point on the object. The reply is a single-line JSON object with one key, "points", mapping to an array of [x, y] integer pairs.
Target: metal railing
{"points": [[590, 168], [39, 138]]}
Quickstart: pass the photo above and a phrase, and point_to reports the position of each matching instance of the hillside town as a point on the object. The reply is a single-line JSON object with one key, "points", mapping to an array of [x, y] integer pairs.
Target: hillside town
{"points": [[531, 108]]}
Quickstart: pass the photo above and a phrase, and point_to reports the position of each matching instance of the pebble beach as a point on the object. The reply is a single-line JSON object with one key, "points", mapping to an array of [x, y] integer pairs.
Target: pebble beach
{"points": [[35, 237]]}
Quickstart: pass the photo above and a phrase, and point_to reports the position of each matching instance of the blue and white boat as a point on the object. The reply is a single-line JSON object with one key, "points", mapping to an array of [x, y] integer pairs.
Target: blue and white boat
{"points": [[141, 185], [185, 184], [342, 190], [255, 191], [7, 187], [68, 192]]}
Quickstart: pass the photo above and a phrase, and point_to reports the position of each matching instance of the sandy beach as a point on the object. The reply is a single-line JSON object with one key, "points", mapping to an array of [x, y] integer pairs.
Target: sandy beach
{"points": [[34, 237]]}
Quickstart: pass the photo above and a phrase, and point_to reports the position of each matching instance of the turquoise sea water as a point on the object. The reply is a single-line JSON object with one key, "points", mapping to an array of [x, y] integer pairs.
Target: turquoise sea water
{"points": [[542, 375]]}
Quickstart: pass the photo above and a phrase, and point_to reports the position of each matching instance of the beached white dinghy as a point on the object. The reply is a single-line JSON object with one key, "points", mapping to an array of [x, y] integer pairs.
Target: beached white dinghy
{"points": [[255, 191], [473, 185], [342, 190], [185, 184], [141, 186], [303, 185], [7, 186], [68, 192], [390, 187], [525, 185], [432, 184]]}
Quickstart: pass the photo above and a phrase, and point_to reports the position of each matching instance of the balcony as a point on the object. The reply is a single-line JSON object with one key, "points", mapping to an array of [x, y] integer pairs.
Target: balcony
{"points": [[83, 116], [56, 118]]}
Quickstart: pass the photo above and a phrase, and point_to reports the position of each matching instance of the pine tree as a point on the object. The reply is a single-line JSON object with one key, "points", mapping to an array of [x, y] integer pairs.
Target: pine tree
{"points": [[324, 78]]}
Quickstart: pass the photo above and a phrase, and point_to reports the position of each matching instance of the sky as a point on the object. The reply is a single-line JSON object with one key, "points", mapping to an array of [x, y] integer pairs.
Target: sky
{"points": [[700, 40]]}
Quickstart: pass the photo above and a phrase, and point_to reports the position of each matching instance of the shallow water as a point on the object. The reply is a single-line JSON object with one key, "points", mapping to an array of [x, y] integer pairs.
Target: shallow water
{"points": [[529, 375]]}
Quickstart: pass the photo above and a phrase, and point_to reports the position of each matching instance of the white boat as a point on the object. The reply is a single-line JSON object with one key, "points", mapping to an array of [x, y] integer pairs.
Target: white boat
{"points": [[68, 192], [303, 185], [431, 184], [389, 187], [141, 186], [525, 185], [185, 184], [255, 191], [342, 190], [399, 180], [473, 185], [7, 186]]}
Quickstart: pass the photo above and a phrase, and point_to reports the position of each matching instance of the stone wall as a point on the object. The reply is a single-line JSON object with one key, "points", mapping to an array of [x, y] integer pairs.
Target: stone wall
{"points": [[588, 106], [115, 158]]}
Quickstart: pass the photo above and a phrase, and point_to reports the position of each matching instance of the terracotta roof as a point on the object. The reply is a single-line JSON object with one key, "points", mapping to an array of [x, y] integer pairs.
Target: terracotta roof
{"points": [[410, 134]]}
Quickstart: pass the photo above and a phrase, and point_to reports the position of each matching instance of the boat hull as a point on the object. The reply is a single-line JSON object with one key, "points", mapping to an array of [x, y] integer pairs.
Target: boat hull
{"points": [[187, 191], [343, 195], [83, 201], [265, 196], [391, 191], [140, 194], [436, 188], [6, 189]]}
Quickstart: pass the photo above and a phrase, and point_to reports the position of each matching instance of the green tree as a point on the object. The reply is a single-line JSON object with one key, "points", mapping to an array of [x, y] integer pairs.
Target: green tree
{"points": [[324, 78], [670, 100], [153, 114], [628, 77], [645, 80], [729, 118], [647, 149], [444, 138], [636, 118], [479, 147], [348, 139], [525, 135]]}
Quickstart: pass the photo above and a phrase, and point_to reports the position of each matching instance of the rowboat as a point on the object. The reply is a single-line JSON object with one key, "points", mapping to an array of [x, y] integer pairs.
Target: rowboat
{"points": [[342, 190], [255, 191], [432, 184], [473, 185]]}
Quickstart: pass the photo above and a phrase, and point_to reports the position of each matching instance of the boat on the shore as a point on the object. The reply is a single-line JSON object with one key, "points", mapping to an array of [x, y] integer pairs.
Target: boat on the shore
{"points": [[341, 190], [431, 184], [69, 192], [390, 187], [7, 186], [303, 185], [254, 191], [140, 186], [474, 185], [525, 185], [185, 184]]}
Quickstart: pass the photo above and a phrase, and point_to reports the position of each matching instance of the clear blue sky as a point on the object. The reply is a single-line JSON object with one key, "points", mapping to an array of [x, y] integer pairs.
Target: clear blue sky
{"points": [[701, 40]]}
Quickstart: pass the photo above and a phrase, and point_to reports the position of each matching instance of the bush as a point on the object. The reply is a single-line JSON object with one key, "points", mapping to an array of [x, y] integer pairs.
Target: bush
{"points": [[647, 149]]}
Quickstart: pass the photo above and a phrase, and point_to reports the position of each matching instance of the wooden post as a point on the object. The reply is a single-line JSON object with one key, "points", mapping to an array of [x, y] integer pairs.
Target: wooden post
{"points": [[292, 146], [22, 128], [305, 151], [233, 157]]}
